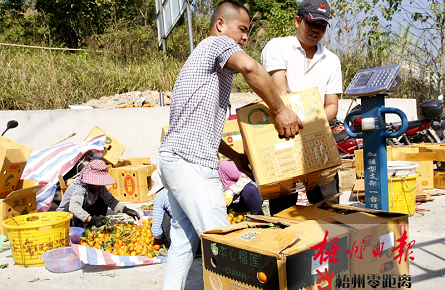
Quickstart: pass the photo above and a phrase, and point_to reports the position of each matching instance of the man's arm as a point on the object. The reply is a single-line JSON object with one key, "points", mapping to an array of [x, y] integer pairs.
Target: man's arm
{"points": [[331, 106], [279, 80], [240, 160], [259, 80], [330, 100]]}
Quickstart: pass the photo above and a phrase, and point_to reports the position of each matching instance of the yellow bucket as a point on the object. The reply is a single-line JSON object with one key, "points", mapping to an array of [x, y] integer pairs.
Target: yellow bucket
{"points": [[33, 234], [402, 194]]}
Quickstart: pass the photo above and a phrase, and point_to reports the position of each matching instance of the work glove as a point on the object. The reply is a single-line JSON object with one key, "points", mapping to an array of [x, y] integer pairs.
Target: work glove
{"points": [[131, 212], [97, 221], [228, 196]]}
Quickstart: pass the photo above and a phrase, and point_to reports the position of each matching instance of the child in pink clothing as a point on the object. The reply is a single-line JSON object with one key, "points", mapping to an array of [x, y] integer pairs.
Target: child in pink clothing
{"points": [[241, 193]]}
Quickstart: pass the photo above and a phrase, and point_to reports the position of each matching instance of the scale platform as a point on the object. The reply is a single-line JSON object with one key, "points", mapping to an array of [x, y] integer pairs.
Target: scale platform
{"points": [[379, 80]]}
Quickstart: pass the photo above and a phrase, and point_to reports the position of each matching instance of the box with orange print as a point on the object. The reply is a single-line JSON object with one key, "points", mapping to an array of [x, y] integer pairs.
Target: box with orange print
{"points": [[269, 253], [379, 249], [133, 182]]}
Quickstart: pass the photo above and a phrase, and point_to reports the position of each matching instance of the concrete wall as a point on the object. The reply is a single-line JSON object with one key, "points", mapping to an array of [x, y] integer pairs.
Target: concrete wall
{"points": [[139, 129]]}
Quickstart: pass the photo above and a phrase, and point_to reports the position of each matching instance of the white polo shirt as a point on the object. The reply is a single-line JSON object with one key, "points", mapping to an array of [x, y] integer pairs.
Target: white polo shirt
{"points": [[324, 71]]}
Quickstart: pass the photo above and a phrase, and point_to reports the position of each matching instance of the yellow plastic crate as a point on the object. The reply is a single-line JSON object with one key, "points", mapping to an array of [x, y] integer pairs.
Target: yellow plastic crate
{"points": [[33, 234]]}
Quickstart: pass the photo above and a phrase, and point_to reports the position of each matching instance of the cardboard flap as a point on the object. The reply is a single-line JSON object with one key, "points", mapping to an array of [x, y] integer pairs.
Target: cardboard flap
{"points": [[10, 144], [271, 219], [421, 156], [302, 213], [365, 210], [3, 151], [15, 156], [312, 232], [22, 192], [360, 220], [234, 227]]}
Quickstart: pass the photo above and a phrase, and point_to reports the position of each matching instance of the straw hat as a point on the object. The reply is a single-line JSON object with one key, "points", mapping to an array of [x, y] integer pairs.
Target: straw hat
{"points": [[96, 173]]}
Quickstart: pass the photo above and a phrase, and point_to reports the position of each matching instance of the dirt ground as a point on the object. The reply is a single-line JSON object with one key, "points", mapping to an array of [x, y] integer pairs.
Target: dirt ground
{"points": [[153, 98]]}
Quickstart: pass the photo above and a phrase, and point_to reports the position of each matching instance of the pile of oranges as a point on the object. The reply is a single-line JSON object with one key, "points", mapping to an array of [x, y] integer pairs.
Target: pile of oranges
{"points": [[235, 218], [124, 239]]}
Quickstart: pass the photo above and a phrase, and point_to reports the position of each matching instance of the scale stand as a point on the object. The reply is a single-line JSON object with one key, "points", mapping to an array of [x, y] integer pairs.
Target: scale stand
{"points": [[372, 86]]}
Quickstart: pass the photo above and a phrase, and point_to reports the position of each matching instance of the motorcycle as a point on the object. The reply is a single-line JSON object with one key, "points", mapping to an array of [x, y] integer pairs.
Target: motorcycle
{"points": [[419, 131], [346, 145], [422, 130]]}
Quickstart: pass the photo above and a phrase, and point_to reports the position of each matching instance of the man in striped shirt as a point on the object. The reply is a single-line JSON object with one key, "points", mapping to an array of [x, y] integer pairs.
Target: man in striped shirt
{"points": [[187, 160]]}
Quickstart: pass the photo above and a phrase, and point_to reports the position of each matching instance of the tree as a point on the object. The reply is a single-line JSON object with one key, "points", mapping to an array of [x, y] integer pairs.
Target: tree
{"points": [[427, 22]]}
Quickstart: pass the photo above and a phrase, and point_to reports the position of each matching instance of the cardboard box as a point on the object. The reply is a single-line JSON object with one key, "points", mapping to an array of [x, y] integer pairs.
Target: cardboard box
{"points": [[13, 158], [367, 230], [391, 153], [439, 179], [232, 136], [347, 179], [238, 256], [280, 165], [18, 202], [426, 166], [133, 161], [133, 182], [113, 149], [163, 132]]}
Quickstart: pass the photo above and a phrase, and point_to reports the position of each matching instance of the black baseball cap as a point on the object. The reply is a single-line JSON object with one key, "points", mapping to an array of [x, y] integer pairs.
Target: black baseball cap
{"points": [[314, 10]]}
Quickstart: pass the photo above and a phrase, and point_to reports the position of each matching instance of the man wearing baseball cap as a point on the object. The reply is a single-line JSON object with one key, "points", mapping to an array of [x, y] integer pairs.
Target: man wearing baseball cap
{"points": [[88, 199], [300, 62]]}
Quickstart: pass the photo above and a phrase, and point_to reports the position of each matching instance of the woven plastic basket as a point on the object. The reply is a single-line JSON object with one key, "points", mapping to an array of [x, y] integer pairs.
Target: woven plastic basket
{"points": [[33, 234]]}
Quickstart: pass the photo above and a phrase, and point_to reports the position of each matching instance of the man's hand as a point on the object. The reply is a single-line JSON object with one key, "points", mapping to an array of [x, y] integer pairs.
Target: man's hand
{"points": [[288, 123], [242, 163]]}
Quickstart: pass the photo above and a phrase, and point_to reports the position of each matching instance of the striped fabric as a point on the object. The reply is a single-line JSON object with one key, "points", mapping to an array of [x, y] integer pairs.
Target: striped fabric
{"points": [[47, 164], [92, 256]]}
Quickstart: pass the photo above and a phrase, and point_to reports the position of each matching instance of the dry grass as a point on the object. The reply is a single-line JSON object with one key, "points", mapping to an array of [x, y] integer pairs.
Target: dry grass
{"points": [[39, 80]]}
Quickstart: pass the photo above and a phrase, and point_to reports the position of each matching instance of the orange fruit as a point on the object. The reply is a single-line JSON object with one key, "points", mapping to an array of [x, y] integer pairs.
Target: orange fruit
{"points": [[156, 247], [262, 276]]}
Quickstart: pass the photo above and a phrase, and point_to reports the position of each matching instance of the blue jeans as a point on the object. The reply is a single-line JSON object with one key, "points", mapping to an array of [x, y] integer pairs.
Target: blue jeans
{"points": [[197, 201]]}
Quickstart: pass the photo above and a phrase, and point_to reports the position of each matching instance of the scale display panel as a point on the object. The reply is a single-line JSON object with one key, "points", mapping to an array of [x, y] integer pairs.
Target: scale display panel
{"points": [[374, 81]]}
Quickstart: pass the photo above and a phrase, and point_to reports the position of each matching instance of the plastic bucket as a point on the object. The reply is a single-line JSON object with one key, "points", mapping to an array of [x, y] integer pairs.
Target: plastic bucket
{"points": [[401, 168], [31, 235], [402, 194]]}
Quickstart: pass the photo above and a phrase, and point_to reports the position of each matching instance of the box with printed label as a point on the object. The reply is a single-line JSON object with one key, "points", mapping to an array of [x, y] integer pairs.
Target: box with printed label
{"points": [[282, 165], [232, 136], [133, 182], [376, 241], [13, 158], [18, 202], [260, 255], [346, 179], [113, 149]]}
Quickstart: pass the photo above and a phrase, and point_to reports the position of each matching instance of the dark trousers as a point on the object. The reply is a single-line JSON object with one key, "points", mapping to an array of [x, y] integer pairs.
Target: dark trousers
{"points": [[99, 208], [250, 201], [314, 195], [166, 223]]}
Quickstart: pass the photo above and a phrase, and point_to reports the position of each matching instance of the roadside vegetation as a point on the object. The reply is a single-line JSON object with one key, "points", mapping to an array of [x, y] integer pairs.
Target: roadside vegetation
{"points": [[54, 53]]}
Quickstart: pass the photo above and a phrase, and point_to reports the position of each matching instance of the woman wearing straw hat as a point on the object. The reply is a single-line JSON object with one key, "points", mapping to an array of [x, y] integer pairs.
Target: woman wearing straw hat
{"points": [[88, 199]]}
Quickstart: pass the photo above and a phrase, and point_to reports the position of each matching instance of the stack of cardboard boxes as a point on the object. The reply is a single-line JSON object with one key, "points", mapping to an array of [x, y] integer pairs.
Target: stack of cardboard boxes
{"points": [[132, 175], [17, 197]]}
